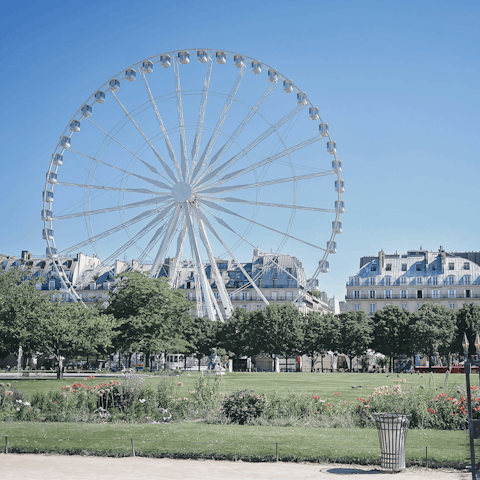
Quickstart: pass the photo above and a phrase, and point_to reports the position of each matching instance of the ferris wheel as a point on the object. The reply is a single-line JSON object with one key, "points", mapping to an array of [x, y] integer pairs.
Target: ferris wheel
{"points": [[199, 154]]}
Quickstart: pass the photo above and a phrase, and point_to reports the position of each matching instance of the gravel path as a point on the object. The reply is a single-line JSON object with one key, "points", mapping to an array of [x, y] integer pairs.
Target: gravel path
{"points": [[48, 467]]}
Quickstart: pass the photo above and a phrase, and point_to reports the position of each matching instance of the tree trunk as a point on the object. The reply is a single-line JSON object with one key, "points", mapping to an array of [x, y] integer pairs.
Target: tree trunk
{"points": [[312, 364], [147, 360], [322, 362], [351, 364]]}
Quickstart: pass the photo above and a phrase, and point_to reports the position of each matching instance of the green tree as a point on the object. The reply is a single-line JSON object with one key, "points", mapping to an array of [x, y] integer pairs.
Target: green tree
{"points": [[432, 330], [278, 329], [151, 315], [236, 336], [68, 329], [320, 334], [201, 336], [20, 307], [355, 334], [468, 321], [391, 332]]}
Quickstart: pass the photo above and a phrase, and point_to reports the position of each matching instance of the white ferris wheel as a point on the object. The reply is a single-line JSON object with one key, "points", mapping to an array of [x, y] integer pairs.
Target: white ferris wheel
{"points": [[200, 154]]}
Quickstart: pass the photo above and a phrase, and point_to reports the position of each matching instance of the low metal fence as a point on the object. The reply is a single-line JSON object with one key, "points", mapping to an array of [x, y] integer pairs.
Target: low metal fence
{"points": [[425, 456]]}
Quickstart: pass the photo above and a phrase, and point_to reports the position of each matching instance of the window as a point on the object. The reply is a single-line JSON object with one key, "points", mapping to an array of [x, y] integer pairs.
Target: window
{"points": [[372, 293], [467, 279], [189, 284], [450, 280], [51, 285], [372, 308], [452, 305], [259, 307], [356, 294], [289, 295], [419, 293], [418, 267], [451, 266], [403, 280], [403, 293], [373, 267], [434, 280], [388, 280], [435, 293], [451, 294], [388, 268], [244, 306], [38, 286], [92, 286], [404, 306], [434, 267], [190, 296], [372, 281], [468, 294], [404, 267], [274, 283], [466, 266], [419, 280], [274, 295], [356, 307], [356, 281], [418, 306], [388, 294]]}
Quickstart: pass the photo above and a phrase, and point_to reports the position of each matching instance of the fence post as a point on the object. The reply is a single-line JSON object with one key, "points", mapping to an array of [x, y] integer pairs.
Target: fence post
{"points": [[276, 452], [426, 456], [6, 443], [133, 448]]}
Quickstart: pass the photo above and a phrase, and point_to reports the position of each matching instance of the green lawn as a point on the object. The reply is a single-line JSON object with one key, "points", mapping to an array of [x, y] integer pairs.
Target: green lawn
{"points": [[195, 440], [324, 385]]}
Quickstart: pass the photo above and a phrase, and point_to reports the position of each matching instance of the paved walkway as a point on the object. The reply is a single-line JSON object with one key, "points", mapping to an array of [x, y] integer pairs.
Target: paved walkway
{"points": [[48, 467]]}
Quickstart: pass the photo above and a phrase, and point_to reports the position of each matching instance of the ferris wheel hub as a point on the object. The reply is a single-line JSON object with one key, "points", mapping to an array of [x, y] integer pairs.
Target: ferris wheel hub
{"points": [[181, 192]]}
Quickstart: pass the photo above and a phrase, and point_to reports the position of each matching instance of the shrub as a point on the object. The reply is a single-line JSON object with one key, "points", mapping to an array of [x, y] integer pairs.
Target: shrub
{"points": [[244, 405]]}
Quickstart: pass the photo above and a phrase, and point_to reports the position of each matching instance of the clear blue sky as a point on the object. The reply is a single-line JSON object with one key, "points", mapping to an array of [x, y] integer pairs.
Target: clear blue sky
{"points": [[398, 82]]}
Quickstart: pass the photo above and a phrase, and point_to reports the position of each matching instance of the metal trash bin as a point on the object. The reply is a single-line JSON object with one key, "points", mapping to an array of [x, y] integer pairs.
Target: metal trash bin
{"points": [[392, 432]]}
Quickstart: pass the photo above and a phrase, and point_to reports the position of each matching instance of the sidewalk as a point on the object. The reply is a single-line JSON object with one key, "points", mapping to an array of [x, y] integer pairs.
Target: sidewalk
{"points": [[46, 467]]}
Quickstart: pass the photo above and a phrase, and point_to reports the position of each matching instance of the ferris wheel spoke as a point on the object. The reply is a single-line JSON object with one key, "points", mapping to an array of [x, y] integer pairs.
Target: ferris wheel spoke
{"points": [[249, 147], [112, 230], [117, 189], [226, 210], [275, 205], [213, 263], [141, 203], [165, 242], [204, 219], [170, 150], [223, 115], [183, 142], [154, 150], [154, 239], [150, 167], [266, 183], [201, 112], [119, 143], [198, 259], [218, 156], [268, 160], [130, 242]]}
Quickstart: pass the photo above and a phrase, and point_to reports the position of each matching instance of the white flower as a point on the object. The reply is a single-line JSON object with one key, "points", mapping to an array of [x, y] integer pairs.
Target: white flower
{"points": [[142, 400], [26, 403]]}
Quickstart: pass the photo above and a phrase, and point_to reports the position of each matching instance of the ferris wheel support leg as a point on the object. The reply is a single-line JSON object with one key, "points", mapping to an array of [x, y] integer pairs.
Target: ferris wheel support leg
{"points": [[165, 241], [198, 259], [219, 238], [218, 278]]}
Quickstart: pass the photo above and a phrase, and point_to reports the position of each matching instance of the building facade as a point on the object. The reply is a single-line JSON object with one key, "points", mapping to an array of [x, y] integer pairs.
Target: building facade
{"points": [[412, 279], [278, 278]]}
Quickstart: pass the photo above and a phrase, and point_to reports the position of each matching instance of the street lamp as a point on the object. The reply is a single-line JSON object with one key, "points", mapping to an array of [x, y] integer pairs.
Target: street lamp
{"points": [[465, 345]]}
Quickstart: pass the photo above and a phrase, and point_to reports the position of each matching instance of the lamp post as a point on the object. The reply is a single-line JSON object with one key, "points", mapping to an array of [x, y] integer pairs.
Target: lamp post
{"points": [[473, 425]]}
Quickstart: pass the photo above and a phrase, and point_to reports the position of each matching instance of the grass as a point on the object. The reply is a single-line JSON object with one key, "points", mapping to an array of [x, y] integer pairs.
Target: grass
{"points": [[253, 443], [324, 385]]}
